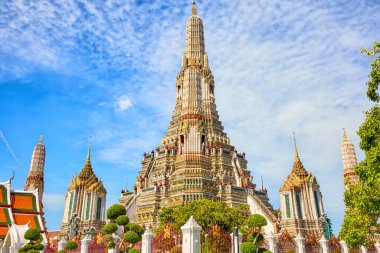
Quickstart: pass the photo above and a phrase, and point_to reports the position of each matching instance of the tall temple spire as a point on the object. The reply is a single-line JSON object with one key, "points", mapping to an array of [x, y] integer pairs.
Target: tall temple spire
{"points": [[195, 159], [195, 44], [349, 161], [35, 179]]}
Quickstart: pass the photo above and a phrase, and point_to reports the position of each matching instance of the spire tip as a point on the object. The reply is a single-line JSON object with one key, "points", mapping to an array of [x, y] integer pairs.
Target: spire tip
{"points": [[344, 134], [89, 148], [295, 145], [194, 8]]}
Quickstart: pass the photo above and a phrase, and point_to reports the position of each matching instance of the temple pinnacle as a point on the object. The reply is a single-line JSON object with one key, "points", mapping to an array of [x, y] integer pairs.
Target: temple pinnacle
{"points": [[89, 148], [194, 8], [41, 137], [344, 134], [295, 146]]}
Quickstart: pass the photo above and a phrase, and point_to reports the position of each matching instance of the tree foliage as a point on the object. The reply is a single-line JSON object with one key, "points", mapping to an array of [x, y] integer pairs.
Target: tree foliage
{"points": [[31, 248], [374, 75], [256, 221], [248, 247], [109, 228], [363, 199], [71, 245], [32, 234], [122, 220], [131, 237], [133, 251], [115, 211], [207, 213], [132, 233], [136, 228]]}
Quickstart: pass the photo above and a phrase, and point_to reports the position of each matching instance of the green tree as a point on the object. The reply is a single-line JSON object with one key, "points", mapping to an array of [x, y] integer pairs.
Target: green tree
{"points": [[117, 216], [207, 213], [109, 228], [32, 234], [71, 245], [133, 251], [115, 211], [363, 199], [248, 247]]}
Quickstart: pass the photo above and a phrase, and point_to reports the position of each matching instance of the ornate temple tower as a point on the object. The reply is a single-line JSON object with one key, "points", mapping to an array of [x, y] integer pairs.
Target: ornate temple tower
{"points": [[349, 161], [301, 201], [195, 159], [35, 179], [84, 202]]}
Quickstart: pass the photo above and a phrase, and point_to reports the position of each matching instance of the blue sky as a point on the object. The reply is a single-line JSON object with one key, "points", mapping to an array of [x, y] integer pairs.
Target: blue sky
{"points": [[107, 69]]}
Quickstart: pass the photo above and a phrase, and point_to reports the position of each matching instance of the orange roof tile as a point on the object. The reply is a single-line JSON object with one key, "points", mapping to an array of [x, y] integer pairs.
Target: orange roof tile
{"points": [[31, 220], [4, 216], [24, 202], [3, 232]]}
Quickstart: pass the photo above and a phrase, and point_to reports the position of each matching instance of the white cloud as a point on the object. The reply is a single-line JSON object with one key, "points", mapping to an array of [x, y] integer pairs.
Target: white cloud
{"points": [[279, 67], [123, 103], [2, 137]]}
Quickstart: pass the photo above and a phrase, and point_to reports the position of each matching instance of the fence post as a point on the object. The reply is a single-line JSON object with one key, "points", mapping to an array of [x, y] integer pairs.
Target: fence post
{"points": [[147, 241], [236, 240], [191, 231], [44, 244], [62, 244], [300, 243], [84, 244], [115, 237], [324, 244], [344, 246], [272, 240], [377, 246]]}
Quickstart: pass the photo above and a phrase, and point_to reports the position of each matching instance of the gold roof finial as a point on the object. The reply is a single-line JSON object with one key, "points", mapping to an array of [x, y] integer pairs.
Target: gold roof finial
{"points": [[89, 148], [194, 8], [295, 146]]}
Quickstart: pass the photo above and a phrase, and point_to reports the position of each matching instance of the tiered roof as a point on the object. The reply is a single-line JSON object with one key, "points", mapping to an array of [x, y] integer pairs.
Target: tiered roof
{"points": [[19, 208], [298, 175], [87, 178]]}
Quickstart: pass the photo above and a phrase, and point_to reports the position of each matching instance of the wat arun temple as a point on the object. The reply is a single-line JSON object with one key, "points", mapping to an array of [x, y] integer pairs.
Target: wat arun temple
{"points": [[195, 159]]}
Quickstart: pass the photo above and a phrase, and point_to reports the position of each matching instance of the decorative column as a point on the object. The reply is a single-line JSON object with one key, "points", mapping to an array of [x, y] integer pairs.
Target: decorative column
{"points": [[115, 237], [44, 244], [363, 249], [272, 240], [324, 244], [62, 244], [85, 242], [191, 231], [377, 246], [301, 243], [236, 241], [344, 246], [147, 238]]}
